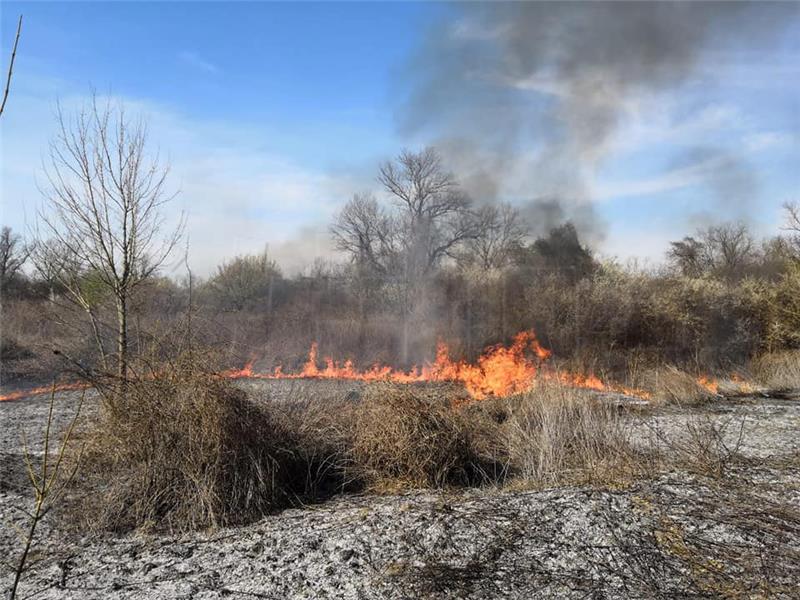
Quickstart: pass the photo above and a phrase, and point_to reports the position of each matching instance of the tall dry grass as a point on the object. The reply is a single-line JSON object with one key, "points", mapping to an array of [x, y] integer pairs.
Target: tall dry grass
{"points": [[671, 385], [555, 433], [190, 450], [778, 370]]}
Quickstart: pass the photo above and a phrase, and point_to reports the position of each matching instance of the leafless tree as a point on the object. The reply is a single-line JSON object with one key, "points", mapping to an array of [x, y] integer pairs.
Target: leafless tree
{"points": [[13, 255], [726, 250], [11, 66], [689, 256], [103, 209], [435, 215], [431, 221], [501, 230], [366, 232], [792, 225], [732, 246]]}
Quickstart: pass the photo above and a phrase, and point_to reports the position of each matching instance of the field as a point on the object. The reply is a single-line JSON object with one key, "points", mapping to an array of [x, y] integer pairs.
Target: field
{"points": [[721, 519]]}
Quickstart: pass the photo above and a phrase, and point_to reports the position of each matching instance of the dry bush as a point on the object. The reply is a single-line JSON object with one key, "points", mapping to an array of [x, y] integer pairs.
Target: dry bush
{"points": [[707, 444], [671, 385], [321, 430], [778, 370], [188, 451], [410, 436], [556, 433], [710, 445]]}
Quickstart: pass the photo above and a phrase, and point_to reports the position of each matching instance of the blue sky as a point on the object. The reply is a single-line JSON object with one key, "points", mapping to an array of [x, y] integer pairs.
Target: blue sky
{"points": [[272, 115]]}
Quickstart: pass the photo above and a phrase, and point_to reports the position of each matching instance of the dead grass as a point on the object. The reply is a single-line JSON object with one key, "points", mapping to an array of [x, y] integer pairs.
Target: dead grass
{"points": [[189, 451], [556, 433], [405, 437], [671, 385], [778, 370]]}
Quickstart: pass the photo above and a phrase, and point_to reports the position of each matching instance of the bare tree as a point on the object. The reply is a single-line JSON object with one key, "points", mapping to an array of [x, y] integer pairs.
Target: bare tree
{"points": [[689, 256], [365, 231], [500, 232], [431, 221], [435, 215], [13, 255], [11, 66], [793, 225], [726, 250], [103, 208], [731, 246]]}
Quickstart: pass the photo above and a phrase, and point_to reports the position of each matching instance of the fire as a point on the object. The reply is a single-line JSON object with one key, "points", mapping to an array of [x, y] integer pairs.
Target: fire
{"points": [[712, 385], [44, 389], [499, 371]]}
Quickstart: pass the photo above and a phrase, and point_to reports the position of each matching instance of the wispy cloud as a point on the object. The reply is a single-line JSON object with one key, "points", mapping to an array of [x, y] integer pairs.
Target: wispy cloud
{"points": [[197, 62]]}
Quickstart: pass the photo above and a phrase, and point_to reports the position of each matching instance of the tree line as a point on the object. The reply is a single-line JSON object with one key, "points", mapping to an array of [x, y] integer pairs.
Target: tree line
{"points": [[422, 261]]}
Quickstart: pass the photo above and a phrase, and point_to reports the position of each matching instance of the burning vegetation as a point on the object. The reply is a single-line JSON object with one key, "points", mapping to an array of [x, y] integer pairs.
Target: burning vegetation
{"points": [[499, 371]]}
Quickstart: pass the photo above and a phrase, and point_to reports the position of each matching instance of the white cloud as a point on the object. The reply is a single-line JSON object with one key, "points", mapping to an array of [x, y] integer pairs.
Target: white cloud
{"points": [[768, 140], [237, 196], [195, 61]]}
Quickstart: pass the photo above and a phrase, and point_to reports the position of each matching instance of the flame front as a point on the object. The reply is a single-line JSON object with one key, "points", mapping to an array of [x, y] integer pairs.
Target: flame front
{"points": [[499, 371], [45, 389]]}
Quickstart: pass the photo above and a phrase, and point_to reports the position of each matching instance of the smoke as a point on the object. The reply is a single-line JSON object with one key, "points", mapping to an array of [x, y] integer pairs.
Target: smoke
{"points": [[524, 99], [303, 250], [731, 184]]}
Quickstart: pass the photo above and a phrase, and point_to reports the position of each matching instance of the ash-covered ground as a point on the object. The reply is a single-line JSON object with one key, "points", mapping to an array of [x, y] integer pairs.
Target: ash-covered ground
{"points": [[682, 533]]}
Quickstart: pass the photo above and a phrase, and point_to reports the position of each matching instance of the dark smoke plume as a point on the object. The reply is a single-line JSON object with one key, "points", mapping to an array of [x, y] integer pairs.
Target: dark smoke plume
{"points": [[525, 98]]}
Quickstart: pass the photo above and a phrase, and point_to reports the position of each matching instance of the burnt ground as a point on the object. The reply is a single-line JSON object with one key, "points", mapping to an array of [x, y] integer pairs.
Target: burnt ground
{"points": [[687, 532]]}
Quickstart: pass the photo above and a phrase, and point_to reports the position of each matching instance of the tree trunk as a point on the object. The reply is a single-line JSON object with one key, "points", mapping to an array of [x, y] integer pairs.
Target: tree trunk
{"points": [[404, 340], [122, 336], [97, 338]]}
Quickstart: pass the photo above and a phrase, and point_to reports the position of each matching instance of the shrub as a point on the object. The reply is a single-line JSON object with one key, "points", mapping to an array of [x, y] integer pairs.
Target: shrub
{"points": [[411, 436], [189, 451]]}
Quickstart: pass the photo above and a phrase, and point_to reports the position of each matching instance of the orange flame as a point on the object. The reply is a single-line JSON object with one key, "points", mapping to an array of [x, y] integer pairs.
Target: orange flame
{"points": [[712, 385], [499, 370], [44, 389]]}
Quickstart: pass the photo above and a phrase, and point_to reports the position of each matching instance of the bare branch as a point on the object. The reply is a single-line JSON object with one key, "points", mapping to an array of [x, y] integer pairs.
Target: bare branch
{"points": [[11, 66]]}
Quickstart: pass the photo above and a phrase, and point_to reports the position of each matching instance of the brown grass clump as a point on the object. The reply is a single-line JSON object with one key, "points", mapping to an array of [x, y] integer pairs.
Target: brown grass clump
{"points": [[670, 385], [188, 451], [403, 436], [557, 433], [778, 370]]}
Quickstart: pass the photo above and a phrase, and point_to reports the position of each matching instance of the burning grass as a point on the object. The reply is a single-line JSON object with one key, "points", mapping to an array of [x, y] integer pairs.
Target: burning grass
{"points": [[190, 451], [500, 371], [187, 449], [671, 385]]}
